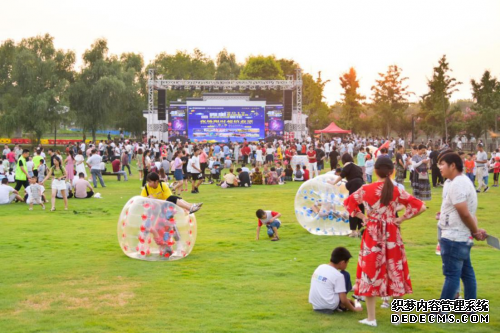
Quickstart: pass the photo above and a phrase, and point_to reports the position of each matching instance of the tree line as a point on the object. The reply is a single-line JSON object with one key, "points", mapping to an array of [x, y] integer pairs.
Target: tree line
{"points": [[390, 112], [40, 88]]}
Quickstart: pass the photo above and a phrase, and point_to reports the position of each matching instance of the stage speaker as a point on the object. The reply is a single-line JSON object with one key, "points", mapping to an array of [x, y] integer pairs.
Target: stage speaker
{"points": [[287, 104], [161, 105]]}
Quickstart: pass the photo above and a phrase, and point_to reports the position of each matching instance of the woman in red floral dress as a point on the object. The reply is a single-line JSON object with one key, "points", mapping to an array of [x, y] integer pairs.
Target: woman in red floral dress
{"points": [[382, 266]]}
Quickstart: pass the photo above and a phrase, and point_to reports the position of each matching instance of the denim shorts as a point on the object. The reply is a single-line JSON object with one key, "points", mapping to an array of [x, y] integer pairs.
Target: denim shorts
{"points": [[178, 174]]}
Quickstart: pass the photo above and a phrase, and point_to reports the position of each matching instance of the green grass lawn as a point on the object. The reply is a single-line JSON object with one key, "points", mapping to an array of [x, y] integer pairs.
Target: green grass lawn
{"points": [[64, 271]]}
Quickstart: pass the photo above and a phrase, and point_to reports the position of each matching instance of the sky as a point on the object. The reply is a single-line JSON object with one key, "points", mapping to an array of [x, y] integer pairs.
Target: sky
{"points": [[327, 36]]}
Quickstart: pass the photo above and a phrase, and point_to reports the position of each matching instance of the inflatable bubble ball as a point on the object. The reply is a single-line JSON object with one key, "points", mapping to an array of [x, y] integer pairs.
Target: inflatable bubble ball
{"points": [[155, 230], [319, 206]]}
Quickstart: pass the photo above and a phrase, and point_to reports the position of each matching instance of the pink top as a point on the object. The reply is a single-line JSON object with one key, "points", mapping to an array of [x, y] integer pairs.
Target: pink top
{"points": [[81, 188], [203, 157]]}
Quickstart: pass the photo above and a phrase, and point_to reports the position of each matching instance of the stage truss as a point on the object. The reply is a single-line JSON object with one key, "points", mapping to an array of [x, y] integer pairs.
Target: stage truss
{"points": [[291, 83]]}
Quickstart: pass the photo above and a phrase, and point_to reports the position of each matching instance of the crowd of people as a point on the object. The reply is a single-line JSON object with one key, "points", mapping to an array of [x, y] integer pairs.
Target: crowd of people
{"points": [[375, 171]]}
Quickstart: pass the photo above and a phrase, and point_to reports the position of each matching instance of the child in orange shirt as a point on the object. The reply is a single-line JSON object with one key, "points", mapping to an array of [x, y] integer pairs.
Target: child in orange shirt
{"points": [[469, 168]]}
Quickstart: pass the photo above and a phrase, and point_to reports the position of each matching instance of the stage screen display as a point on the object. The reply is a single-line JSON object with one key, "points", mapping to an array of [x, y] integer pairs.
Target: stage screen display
{"points": [[177, 123], [223, 123], [274, 126]]}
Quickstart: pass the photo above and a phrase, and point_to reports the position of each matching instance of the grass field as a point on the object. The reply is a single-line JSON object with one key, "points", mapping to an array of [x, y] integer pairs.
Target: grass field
{"points": [[64, 271]]}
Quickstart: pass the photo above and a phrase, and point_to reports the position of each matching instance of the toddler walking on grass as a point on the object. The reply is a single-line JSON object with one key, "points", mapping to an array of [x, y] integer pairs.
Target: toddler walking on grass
{"points": [[34, 192]]}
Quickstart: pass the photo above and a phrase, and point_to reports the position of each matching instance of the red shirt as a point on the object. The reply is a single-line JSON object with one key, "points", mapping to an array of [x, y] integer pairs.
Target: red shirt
{"points": [[245, 151], [266, 220], [11, 157], [312, 156], [116, 165], [496, 167], [306, 174]]}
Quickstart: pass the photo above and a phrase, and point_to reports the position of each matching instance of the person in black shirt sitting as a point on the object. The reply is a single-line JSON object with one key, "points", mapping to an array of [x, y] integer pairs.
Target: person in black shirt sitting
{"points": [[244, 178]]}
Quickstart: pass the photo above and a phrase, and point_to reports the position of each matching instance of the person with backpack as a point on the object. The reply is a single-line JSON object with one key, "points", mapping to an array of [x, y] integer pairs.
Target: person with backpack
{"points": [[298, 174], [157, 189]]}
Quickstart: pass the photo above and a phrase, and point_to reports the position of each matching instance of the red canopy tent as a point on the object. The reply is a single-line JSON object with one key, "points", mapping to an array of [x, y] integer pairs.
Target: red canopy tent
{"points": [[333, 128]]}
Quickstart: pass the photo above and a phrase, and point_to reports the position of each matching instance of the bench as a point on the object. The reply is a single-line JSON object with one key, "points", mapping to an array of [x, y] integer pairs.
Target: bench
{"points": [[106, 173]]}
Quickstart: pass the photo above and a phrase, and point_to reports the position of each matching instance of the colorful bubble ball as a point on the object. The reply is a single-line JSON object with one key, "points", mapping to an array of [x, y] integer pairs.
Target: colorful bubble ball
{"points": [[155, 230], [319, 206]]}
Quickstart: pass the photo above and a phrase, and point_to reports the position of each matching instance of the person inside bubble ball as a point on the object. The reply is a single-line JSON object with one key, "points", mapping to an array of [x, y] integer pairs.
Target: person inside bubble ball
{"points": [[165, 232], [156, 189]]}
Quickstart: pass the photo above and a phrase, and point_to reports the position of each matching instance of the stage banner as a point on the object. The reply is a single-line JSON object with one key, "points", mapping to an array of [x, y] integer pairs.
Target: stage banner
{"points": [[177, 123], [226, 123], [274, 125]]}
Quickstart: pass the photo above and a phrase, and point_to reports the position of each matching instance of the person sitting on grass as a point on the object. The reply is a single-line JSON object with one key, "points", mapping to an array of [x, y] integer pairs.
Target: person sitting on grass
{"points": [[156, 189], [230, 179], [8, 194], [298, 174], [243, 177], [330, 284], [272, 177], [81, 186], [257, 177], [288, 173], [270, 219], [305, 171]]}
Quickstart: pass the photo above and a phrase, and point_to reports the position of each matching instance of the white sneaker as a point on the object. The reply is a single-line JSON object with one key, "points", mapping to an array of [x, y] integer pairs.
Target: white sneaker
{"points": [[372, 323], [385, 305]]}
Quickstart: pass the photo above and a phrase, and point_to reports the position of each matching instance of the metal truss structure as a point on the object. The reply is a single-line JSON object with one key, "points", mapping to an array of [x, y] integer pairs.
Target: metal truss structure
{"points": [[290, 83]]}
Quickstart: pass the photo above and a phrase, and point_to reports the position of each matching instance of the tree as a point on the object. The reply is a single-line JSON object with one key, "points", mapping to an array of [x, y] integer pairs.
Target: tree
{"points": [[227, 67], [351, 100], [288, 67], [134, 99], [183, 66], [9, 93], [435, 105], [37, 83], [98, 90], [312, 101], [486, 102], [263, 68], [390, 98]]}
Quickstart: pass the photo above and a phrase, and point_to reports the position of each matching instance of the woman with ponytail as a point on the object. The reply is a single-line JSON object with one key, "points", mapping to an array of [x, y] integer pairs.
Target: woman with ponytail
{"points": [[382, 267]]}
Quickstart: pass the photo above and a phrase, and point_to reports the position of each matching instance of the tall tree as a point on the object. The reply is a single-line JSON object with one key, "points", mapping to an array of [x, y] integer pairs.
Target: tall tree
{"points": [[263, 68], [435, 104], [390, 98], [351, 99], [227, 67], [312, 101], [183, 66], [9, 93], [486, 102], [134, 100], [98, 90], [36, 90]]}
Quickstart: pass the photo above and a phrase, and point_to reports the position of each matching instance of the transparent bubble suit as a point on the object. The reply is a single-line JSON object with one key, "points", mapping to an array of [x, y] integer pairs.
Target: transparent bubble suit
{"points": [[319, 206], [155, 230]]}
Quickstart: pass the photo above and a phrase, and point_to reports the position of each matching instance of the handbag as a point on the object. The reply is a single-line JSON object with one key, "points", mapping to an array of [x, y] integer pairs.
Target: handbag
{"points": [[235, 183], [423, 175]]}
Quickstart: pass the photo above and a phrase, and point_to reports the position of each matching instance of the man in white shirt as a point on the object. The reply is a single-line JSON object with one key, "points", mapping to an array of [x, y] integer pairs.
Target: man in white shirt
{"points": [[330, 284], [94, 164], [7, 193], [196, 175], [82, 148], [458, 227], [481, 168]]}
